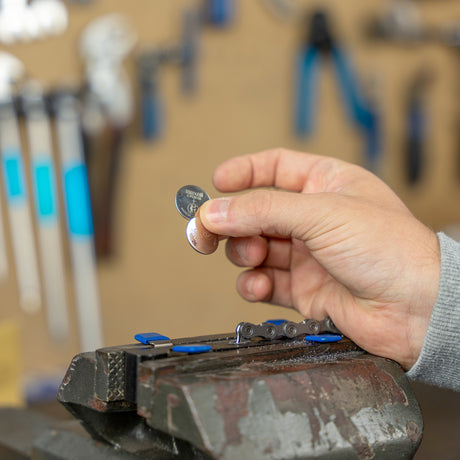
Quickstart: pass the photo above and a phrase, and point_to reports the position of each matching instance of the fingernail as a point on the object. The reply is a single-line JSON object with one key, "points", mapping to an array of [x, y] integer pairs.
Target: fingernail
{"points": [[217, 210]]}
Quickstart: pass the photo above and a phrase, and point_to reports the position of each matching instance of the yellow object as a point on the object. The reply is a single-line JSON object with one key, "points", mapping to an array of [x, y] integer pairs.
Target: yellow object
{"points": [[10, 368]]}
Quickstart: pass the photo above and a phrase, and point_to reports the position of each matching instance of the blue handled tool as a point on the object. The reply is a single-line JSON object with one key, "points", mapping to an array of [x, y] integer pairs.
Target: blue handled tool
{"points": [[152, 110], [416, 127], [372, 133], [219, 13], [149, 67], [189, 50], [46, 208], [321, 44], [16, 190], [79, 220]]}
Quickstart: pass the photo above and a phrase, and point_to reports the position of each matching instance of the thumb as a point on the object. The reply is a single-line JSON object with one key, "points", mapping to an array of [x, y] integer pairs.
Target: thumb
{"points": [[272, 213]]}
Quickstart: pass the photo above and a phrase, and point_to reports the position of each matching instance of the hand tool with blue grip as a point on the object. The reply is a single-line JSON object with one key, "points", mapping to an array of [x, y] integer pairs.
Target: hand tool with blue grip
{"points": [[372, 134], [149, 68], [79, 221], [20, 219], [219, 13], [320, 44], [46, 209], [416, 127], [152, 109], [416, 120], [189, 50]]}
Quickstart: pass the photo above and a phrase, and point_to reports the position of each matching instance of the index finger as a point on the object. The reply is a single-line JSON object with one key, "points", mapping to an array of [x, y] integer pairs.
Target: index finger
{"points": [[281, 168]]}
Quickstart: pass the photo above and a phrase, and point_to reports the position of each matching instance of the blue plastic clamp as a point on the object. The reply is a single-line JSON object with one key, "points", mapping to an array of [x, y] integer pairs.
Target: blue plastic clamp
{"points": [[323, 338], [192, 349], [276, 322], [148, 337]]}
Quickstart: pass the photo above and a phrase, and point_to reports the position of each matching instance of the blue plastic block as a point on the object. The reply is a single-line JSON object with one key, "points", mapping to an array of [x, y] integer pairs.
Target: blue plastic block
{"points": [[323, 338], [276, 322], [192, 349], [148, 337]]}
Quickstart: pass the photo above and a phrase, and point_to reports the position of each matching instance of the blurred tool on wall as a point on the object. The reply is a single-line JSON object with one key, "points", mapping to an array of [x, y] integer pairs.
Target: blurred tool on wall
{"points": [[318, 44], [79, 220], [401, 22], [416, 126], [450, 36], [150, 63], [372, 122], [107, 111], [15, 185], [43, 173], [284, 9], [23, 20], [219, 13], [151, 60], [90, 123]]}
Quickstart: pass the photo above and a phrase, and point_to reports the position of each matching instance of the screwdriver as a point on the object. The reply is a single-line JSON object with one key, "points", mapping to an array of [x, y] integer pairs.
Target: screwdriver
{"points": [[11, 69], [46, 209], [79, 221]]}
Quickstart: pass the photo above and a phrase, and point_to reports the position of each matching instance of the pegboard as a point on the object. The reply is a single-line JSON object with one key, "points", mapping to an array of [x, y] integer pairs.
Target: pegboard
{"points": [[155, 281]]}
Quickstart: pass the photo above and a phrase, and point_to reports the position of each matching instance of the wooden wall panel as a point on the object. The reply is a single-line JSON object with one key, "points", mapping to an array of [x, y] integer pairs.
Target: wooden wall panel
{"points": [[244, 104]]}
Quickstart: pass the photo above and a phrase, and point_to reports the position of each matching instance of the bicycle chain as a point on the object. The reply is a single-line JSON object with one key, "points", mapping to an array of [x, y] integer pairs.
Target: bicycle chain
{"points": [[283, 329]]}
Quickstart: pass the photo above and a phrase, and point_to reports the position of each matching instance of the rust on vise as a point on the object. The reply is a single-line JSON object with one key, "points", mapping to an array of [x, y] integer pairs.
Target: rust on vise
{"points": [[352, 405], [232, 404], [357, 384]]}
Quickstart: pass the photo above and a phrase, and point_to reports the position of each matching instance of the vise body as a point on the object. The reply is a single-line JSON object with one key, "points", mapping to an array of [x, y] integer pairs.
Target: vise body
{"points": [[257, 399]]}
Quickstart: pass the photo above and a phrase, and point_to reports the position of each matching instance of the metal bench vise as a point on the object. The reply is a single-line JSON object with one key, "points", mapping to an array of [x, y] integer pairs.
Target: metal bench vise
{"points": [[259, 399]]}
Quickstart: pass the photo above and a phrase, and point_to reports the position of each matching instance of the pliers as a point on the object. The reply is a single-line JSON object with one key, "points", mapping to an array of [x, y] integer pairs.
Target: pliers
{"points": [[320, 43]]}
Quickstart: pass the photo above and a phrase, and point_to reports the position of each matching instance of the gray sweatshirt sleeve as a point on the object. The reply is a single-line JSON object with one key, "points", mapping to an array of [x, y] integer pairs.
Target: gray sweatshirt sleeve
{"points": [[439, 360]]}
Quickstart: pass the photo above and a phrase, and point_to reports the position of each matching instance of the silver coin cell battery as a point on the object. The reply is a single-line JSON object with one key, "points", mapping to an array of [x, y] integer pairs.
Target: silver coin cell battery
{"points": [[188, 199], [199, 238]]}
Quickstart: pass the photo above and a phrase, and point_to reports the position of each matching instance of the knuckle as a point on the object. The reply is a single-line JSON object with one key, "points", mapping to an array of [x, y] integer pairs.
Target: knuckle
{"points": [[261, 204]]}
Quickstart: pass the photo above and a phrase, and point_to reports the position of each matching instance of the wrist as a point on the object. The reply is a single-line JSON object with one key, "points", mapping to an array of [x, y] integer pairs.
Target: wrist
{"points": [[425, 297]]}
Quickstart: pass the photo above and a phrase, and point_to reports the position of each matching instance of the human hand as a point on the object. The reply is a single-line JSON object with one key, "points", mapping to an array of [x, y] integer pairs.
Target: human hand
{"points": [[342, 245]]}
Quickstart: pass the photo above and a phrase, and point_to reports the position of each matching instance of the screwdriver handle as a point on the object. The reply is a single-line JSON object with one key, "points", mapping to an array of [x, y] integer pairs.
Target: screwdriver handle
{"points": [[152, 109], [219, 13], [46, 211], [305, 95], [79, 223], [18, 210], [190, 51], [415, 141]]}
